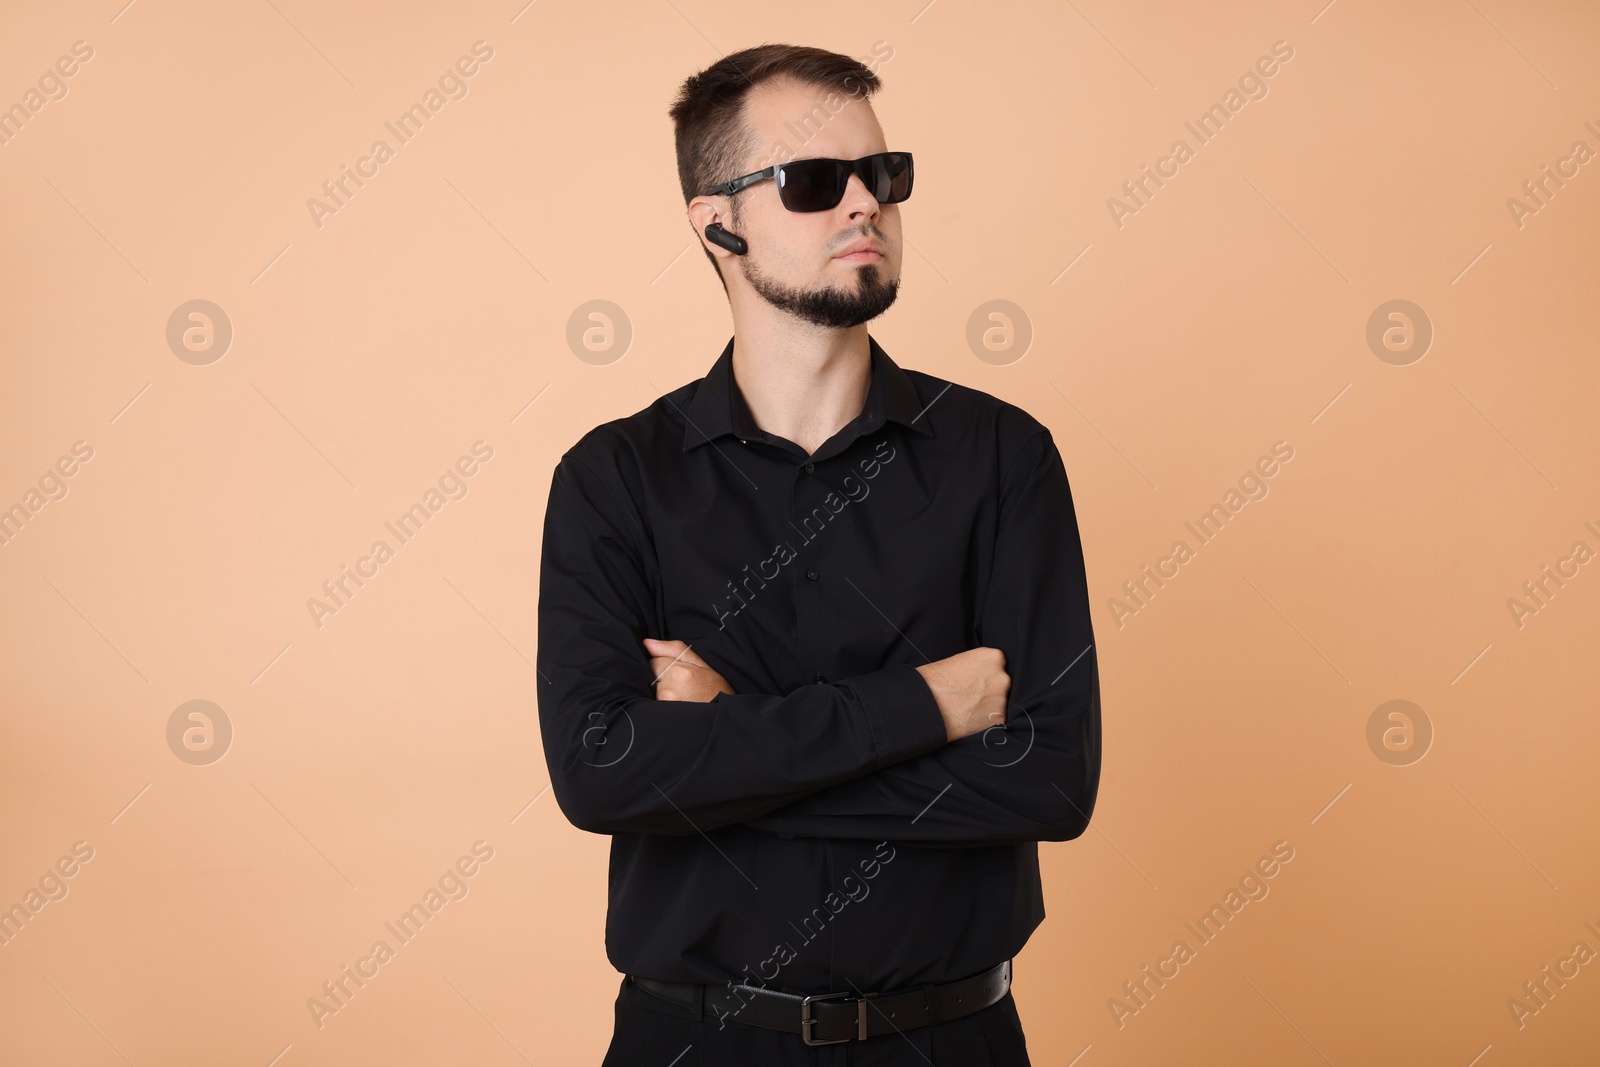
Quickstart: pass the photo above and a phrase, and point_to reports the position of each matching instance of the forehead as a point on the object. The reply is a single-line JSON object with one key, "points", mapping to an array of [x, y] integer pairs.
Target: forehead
{"points": [[797, 120]]}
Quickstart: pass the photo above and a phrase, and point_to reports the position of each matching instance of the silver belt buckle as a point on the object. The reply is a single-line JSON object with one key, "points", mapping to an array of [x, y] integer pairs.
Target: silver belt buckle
{"points": [[807, 1022]]}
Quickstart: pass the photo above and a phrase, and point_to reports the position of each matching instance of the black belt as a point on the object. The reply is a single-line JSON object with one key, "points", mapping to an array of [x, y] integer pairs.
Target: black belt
{"points": [[829, 1018]]}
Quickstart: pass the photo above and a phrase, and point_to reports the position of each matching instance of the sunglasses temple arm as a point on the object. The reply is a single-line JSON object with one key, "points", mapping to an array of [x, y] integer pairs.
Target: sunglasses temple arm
{"points": [[728, 188]]}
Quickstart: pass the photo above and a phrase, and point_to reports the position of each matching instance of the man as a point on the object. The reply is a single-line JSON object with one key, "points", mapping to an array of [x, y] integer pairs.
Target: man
{"points": [[814, 636]]}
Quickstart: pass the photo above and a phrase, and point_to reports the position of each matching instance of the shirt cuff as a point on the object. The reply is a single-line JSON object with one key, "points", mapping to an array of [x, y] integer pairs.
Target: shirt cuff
{"points": [[901, 711]]}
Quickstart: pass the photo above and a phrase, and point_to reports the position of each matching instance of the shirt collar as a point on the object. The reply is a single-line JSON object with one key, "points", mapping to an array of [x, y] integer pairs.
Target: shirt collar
{"points": [[719, 407]]}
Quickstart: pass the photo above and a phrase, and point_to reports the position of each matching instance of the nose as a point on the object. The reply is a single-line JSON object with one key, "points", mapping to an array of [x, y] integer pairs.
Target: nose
{"points": [[858, 199]]}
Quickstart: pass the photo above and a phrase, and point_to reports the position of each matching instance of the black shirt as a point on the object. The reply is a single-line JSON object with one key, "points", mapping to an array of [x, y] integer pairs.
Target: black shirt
{"points": [[817, 829]]}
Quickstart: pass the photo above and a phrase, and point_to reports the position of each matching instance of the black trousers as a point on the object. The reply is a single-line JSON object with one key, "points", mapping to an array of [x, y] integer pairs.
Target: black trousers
{"points": [[652, 1032]]}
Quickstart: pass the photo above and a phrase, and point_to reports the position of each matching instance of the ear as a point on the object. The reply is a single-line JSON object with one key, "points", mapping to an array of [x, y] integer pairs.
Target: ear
{"points": [[705, 210]]}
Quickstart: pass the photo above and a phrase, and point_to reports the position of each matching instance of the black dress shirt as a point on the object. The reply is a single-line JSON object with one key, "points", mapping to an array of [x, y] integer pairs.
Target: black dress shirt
{"points": [[817, 830]]}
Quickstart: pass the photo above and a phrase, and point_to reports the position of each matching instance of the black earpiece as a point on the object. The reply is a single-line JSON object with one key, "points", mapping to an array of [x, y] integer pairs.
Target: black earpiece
{"points": [[731, 241]]}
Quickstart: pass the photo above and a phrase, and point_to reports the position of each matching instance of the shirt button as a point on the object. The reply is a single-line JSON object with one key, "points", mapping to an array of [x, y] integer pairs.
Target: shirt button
{"points": [[819, 678], [813, 575], [811, 468]]}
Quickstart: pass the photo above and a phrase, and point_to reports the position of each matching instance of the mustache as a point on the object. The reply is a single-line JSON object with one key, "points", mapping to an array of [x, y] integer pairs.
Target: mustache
{"points": [[871, 233]]}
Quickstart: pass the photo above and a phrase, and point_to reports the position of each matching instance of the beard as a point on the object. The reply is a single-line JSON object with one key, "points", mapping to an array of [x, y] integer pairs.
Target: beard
{"points": [[865, 297]]}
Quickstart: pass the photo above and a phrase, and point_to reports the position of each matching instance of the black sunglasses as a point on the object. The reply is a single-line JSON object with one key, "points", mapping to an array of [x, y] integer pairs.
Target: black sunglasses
{"points": [[819, 184]]}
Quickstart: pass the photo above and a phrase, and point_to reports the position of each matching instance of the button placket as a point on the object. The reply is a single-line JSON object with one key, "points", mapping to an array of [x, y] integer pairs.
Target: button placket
{"points": [[804, 564]]}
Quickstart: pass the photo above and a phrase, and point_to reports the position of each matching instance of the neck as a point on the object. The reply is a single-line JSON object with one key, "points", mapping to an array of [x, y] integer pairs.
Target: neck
{"points": [[803, 383]]}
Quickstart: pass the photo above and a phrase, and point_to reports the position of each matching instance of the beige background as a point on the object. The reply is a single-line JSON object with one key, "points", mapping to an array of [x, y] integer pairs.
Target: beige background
{"points": [[1168, 354]]}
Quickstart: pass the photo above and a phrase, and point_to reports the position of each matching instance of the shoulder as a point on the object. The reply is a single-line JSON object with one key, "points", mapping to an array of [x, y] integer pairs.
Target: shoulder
{"points": [[974, 421], [617, 449]]}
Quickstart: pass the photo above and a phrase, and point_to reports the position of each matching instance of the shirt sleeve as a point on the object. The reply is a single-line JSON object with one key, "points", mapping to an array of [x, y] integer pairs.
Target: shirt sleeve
{"points": [[1036, 778], [622, 761]]}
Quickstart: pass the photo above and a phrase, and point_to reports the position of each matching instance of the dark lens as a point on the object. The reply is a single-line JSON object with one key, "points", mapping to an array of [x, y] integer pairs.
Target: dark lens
{"points": [[891, 174], [812, 184]]}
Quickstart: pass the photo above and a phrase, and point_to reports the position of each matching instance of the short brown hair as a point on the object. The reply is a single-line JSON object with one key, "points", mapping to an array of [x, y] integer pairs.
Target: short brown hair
{"points": [[711, 135]]}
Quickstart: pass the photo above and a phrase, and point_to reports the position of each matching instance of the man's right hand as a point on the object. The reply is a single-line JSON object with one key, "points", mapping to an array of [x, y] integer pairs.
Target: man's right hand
{"points": [[971, 688], [681, 674]]}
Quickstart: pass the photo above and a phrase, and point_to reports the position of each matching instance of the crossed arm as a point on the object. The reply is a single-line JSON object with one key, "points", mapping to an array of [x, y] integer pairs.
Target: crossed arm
{"points": [[642, 736]]}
